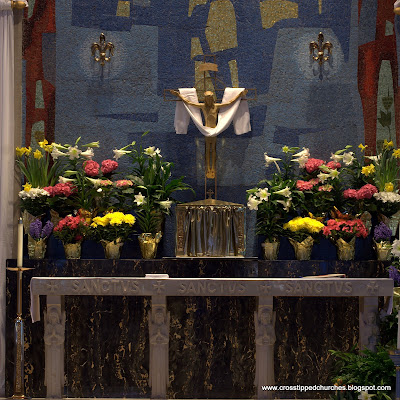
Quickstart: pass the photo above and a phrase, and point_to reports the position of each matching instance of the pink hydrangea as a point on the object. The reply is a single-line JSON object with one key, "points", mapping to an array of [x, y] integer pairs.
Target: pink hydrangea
{"points": [[366, 192], [123, 183], [304, 185], [325, 188], [91, 168], [108, 166], [105, 182], [314, 181], [60, 189], [333, 165], [350, 194], [313, 164]]}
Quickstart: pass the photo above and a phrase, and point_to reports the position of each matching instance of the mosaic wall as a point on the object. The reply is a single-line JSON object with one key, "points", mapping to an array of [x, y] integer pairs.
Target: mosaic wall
{"points": [[264, 45]]}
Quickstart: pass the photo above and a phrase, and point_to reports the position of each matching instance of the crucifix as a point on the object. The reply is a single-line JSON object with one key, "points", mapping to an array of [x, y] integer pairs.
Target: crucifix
{"points": [[213, 122]]}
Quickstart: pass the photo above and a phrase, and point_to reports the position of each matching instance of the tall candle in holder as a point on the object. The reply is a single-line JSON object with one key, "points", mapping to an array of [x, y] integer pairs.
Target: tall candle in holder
{"points": [[398, 329], [20, 243]]}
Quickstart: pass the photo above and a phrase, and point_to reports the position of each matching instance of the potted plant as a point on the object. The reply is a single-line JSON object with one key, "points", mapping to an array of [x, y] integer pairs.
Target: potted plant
{"points": [[382, 245], [38, 234]]}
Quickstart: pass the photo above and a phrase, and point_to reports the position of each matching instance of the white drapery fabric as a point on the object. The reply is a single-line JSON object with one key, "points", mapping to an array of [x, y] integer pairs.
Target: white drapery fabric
{"points": [[6, 162], [237, 112]]}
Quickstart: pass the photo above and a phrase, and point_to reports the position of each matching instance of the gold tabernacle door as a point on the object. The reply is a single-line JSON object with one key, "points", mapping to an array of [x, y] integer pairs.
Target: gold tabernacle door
{"points": [[210, 228]]}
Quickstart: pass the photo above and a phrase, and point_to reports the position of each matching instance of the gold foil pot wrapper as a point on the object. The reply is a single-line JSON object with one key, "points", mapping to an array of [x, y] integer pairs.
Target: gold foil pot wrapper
{"points": [[88, 215], [345, 250], [112, 250], [36, 248], [73, 250], [302, 250], [383, 250], [271, 249], [148, 243]]}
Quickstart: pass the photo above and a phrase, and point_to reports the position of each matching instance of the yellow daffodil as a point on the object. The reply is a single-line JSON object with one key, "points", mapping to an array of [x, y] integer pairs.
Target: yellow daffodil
{"points": [[20, 151], [368, 170], [38, 154], [362, 147], [389, 187], [43, 144], [48, 148], [28, 150], [27, 187], [396, 153], [387, 145]]}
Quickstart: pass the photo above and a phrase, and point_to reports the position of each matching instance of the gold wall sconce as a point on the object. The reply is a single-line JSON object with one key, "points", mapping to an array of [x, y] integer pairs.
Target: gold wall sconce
{"points": [[19, 4], [101, 51], [324, 50], [396, 8]]}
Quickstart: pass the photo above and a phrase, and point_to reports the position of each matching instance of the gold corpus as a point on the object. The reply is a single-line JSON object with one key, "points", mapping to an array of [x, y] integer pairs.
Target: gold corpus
{"points": [[271, 249], [36, 248], [383, 250], [18, 5], [148, 243], [112, 250], [104, 51], [302, 250], [321, 47], [345, 250], [72, 250]]}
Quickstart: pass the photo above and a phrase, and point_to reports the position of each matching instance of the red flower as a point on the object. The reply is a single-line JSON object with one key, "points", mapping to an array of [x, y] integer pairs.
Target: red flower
{"points": [[313, 164], [61, 189], [108, 166], [366, 192], [350, 194], [333, 165], [304, 185], [91, 168]]}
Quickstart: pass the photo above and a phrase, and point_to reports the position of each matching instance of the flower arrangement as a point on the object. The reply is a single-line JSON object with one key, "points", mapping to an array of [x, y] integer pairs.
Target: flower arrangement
{"points": [[345, 229], [382, 233], [300, 228], [39, 232], [112, 226], [33, 200], [71, 229]]}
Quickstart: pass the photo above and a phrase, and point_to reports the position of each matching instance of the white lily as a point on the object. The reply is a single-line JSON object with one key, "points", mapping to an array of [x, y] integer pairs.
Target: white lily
{"points": [[269, 160], [88, 153], [152, 151], [301, 160], [118, 153], [57, 153], [286, 203], [323, 177], [263, 194], [365, 396], [334, 173], [165, 204], [348, 158], [304, 153], [396, 248], [253, 203], [139, 199], [62, 179], [337, 157], [284, 192], [95, 182], [74, 152]]}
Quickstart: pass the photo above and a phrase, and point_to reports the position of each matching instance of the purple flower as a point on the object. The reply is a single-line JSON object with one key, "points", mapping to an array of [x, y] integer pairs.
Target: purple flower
{"points": [[47, 229], [394, 274], [35, 229], [382, 232]]}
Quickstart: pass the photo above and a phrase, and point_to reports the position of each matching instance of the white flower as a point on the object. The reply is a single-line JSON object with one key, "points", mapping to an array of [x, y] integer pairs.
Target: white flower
{"points": [[269, 160], [139, 199], [396, 248], [286, 203], [57, 153], [165, 204], [323, 177], [119, 153], [374, 159], [348, 158], [95, 182], [74, 152], [253, 203], [387, 197], [284, 192], [337, 157], [304, 153], [61, 179], [88, 154], [334, 173], [301, 160], [152, 151], [365, 396], [263, 194], [99, 190], [33, 193]]}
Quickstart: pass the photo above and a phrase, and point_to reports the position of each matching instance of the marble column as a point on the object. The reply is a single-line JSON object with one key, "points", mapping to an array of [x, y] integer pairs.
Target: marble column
{"points": [[368, 315], [54, 337], [159, 321], [264, 320]]}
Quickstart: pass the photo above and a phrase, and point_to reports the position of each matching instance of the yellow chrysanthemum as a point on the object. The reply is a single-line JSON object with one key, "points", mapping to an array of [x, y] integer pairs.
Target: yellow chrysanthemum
{"points": [[396, 153], [43, 144], [93, 225], [129, 219], [387, 145], [362, 147], [20, 151], [389, 187], [368, 170], [100, 221], [38, 154], [27, 187], [116, 221]]}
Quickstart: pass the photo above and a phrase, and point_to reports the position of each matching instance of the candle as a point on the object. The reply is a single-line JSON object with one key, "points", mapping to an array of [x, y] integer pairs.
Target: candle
{"points": [[20, 243], [398, 329]]}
